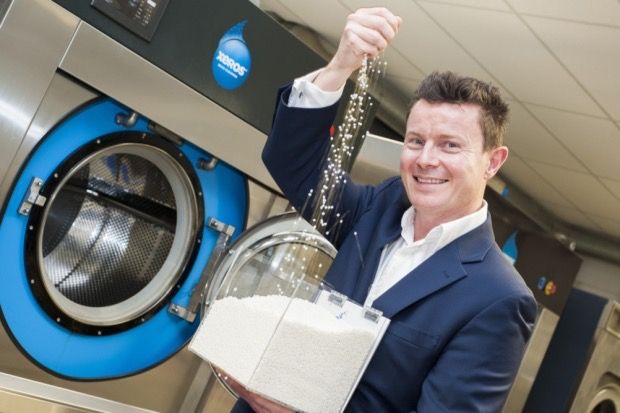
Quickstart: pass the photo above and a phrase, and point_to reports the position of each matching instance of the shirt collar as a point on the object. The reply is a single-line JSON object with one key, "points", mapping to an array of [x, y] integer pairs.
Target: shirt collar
{"points": [[445, 233]]}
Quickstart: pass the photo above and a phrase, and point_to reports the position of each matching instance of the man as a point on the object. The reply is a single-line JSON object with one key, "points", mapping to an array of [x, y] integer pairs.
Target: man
{"points": [[419, 248]]}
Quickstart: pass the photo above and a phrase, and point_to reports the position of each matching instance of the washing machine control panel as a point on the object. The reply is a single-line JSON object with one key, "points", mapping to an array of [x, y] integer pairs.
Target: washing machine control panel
{"points": [[139, 16]]}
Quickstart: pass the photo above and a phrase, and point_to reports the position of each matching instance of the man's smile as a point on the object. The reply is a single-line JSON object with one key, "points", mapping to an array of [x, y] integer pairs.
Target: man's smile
{"points": [[427, 180]]}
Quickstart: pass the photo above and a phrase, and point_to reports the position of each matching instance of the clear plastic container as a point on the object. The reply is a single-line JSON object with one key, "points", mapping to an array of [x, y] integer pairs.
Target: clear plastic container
{"points": [[281, 332]]}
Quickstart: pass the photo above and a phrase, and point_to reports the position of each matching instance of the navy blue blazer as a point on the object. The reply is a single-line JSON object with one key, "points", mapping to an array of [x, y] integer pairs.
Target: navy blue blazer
{"points": [[459, 322]]}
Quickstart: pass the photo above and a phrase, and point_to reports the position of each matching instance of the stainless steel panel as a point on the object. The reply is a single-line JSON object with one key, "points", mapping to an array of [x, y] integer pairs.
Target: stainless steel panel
{"points": [[22, 395], [534, 353], [119, 73], [601, 380], [218, 400], [62, 97], [378, 159], [4, 6], [207, 394], [33, 38], [160, 389]]}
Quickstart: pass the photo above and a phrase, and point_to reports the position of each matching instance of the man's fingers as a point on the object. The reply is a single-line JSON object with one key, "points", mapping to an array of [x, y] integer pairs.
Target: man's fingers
{"points": [[366, 33], [361, 46], [368, 38], [378, 24], [369, 31], [381, 16]]}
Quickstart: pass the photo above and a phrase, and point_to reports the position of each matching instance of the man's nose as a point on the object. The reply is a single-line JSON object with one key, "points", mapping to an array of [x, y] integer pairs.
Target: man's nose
{"points": [[427, 156]]}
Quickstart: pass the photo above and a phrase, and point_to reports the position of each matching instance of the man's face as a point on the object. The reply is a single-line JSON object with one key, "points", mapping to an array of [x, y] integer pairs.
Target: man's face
{"points": [[443, 166]]}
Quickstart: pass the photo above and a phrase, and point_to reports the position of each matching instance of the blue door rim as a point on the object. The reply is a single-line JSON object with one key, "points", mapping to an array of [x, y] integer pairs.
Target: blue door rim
{"points": [[80, 355]]}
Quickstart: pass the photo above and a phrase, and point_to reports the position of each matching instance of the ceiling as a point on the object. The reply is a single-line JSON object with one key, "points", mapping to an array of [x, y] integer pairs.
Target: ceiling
{"points": [[557, 63]]}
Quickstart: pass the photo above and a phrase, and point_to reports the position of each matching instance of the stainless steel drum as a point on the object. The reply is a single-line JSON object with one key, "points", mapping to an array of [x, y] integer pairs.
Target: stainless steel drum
{"points": [[116, 233]]}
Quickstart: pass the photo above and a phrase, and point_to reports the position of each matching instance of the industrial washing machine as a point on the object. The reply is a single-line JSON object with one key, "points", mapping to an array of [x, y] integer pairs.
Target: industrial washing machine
{"points": [[105, 224], [599, 390], [581, 371], [549, 268], [130, 139]]}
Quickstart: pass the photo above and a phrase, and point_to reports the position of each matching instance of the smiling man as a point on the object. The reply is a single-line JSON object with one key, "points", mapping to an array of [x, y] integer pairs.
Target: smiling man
{"points": [[452, 147], [418, 247]]}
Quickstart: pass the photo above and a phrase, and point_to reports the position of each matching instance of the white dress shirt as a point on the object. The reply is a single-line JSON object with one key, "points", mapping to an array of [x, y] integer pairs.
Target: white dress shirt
{"points": [[305, 94], [402, 256]]}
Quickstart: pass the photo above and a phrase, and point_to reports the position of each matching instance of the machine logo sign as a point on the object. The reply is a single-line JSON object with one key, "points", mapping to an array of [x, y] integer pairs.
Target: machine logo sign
{"points": [[510, 249], [232, 61]]}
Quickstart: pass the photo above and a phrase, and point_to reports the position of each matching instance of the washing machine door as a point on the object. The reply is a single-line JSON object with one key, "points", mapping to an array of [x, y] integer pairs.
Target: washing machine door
{"points": [[606, 400], [279, 256], [271, 257], [103, 232]]}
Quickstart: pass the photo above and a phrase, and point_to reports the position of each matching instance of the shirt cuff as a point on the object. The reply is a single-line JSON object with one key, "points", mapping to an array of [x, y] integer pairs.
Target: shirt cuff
{"points": [[305, 94]]}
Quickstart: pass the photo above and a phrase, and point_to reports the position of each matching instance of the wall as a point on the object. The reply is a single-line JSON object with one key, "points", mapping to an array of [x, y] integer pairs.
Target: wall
{"points": [[599, 277]]}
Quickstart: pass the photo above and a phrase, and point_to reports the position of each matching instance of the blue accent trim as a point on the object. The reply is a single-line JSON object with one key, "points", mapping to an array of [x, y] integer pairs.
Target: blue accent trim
{"points": [[77, 356], [234, 33], [510, 246], [505, 192]]}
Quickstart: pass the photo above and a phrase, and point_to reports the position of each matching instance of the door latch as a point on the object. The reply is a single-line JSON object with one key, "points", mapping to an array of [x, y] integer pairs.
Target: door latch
{"points": [[32, 197]]}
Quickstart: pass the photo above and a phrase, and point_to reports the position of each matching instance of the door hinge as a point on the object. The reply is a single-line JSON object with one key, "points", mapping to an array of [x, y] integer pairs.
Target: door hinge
{"points": [[33, 197]]}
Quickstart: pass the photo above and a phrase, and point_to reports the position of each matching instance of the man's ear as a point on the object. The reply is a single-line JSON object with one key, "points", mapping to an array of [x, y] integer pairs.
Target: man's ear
{"points": [[497, 158]]}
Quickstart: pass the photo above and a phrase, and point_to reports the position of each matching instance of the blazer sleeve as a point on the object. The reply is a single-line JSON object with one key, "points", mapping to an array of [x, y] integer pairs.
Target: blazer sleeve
{"points": [[477, 368], [296, 147], [295, 153]]}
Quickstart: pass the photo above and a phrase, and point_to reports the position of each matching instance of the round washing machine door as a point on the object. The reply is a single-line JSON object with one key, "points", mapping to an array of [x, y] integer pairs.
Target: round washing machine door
{"points": [[105, 230], [606, 400], [282, 255], [271, 257]]}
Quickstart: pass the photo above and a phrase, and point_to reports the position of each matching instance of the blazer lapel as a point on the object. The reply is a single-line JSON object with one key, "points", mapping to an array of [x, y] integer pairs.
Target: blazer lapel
{"points": [[438, 271], [387, 231]]}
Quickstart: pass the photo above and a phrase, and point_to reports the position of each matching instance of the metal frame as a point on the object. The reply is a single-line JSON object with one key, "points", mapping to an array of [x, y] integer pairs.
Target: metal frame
{"points": [[30, 395]]}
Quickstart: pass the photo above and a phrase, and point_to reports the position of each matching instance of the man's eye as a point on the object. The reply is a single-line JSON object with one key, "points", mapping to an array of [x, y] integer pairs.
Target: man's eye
{"points": [[415, 143]]}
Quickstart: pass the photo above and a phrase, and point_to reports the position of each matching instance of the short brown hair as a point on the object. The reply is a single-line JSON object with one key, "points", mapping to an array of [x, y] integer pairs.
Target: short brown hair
{"points": [[449, 87]]}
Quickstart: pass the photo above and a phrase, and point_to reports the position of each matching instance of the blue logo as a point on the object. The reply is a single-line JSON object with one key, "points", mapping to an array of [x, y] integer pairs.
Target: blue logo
{"points": [[542, 281], [232, 61], [510, 248]]}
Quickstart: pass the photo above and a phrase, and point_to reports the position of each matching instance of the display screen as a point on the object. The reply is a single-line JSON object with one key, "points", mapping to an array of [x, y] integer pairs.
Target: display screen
{"points": [[139, 16]]}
